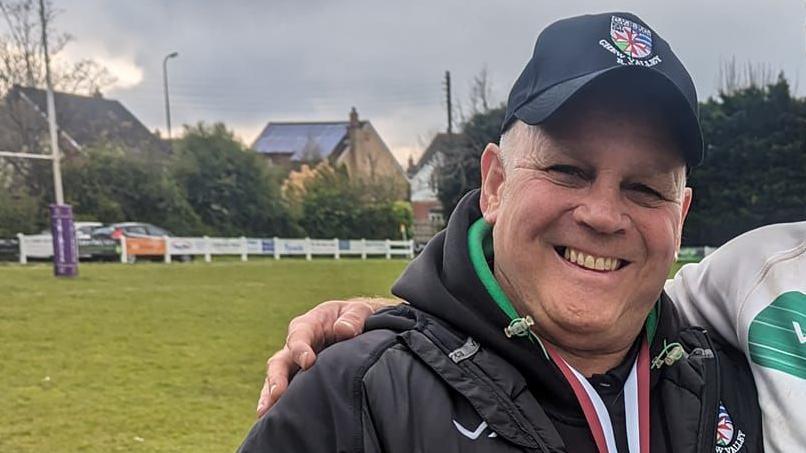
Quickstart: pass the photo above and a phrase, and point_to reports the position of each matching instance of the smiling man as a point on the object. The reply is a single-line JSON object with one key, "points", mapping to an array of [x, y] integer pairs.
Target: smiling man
{"points": [[537, 320]]}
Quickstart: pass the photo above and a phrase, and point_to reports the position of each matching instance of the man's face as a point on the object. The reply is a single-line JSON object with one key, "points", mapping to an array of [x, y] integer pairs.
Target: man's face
{"points": [[587, 221]]}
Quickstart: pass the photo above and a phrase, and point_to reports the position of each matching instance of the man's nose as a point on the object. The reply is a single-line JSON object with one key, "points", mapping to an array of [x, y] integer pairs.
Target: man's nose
{"points": [[602, 211]]}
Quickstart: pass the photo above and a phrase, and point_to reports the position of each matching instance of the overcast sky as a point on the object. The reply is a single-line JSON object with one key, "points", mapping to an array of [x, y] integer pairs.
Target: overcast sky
{"points": [[249, 62]]}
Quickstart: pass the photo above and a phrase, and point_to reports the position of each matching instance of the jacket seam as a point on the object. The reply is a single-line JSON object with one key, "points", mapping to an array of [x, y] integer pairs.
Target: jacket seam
{"points": [[358, 381]]}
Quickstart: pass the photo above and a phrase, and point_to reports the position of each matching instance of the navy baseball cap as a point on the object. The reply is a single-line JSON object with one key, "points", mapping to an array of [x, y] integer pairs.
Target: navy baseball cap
{"points": [[618, 48]]}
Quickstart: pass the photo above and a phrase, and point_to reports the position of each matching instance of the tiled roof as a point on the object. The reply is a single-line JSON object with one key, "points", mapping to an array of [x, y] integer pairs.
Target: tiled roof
{"points": [[89, 120]]}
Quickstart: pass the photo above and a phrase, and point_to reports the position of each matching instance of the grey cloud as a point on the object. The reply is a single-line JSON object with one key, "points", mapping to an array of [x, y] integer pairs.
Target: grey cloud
{"points": [[246, 63]]}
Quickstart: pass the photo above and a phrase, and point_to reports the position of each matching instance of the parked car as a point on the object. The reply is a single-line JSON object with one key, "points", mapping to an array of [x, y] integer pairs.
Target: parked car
{"points": [[129, 229], [135, 230], [83, 229], [83, 234]]}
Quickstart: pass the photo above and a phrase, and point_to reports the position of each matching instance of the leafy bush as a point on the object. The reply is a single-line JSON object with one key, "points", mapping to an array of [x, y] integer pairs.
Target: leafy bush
{"points": [[20, 213], [228, 186], [334, 206]]}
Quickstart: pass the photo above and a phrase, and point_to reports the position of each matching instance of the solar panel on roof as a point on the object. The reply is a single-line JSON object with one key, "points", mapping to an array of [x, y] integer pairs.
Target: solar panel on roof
{"points": [[302, 138]]}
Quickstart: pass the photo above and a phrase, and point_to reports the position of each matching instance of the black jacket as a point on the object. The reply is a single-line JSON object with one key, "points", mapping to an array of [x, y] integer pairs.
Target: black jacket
{"points": [[441, 376]]}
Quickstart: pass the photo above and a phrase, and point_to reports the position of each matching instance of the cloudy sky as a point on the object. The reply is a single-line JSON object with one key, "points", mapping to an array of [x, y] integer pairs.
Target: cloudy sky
{"points": [[249, 62]]}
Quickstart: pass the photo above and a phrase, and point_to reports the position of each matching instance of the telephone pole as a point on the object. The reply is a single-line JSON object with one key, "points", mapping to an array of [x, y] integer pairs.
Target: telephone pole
{"points": [[165, 87], [448, 99]]}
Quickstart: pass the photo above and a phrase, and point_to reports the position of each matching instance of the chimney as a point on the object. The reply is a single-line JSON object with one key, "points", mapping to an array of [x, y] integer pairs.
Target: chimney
{"points": [[353, 118], [352, 134]]}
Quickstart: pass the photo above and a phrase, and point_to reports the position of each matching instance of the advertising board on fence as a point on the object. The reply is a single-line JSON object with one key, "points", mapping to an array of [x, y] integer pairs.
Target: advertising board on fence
{"points": [[145, 246], [226, 246], [268, 246], [375, 247], [186, 246], [255, 247], [38, 246], [41, 246], [291, 246], [323, 247]]}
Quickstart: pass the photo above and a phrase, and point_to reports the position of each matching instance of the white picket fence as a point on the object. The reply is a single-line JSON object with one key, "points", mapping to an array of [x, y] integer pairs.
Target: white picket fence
{"points": [[279, 247], [41, 246]]}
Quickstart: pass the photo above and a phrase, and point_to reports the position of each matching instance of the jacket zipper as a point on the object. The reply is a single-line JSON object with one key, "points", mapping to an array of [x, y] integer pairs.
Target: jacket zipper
{"points": [[710, 401]]}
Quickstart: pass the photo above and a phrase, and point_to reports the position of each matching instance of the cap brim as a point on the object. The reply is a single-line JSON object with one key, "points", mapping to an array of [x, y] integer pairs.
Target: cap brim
{"points": [[548, 102]]}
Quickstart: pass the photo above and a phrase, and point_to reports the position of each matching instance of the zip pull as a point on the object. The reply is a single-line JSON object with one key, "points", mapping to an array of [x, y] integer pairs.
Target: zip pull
{"points": [[670, 354], [519, 327]]}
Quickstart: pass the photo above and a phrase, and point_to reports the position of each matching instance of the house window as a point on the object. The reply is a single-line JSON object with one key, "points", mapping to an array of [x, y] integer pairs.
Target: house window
{"points": [[435, 216]]}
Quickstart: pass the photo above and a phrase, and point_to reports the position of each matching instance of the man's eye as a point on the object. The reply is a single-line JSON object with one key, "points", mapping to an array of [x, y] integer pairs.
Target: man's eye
{"points": [[569, 170], [646, 190]]}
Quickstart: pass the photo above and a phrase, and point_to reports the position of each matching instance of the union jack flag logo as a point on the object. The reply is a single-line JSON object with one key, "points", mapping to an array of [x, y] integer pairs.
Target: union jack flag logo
{"points": [[632, 39], [724, 427]]}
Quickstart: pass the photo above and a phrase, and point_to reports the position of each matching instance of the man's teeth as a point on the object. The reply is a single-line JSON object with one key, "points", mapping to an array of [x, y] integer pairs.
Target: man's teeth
{"points": [[592, 262]]}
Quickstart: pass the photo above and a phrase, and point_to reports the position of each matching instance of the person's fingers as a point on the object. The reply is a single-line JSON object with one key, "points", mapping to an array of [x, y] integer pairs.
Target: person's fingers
{"points": [[351, 321], [263, 401], [278, 369], [304, 339], [320, 327]]}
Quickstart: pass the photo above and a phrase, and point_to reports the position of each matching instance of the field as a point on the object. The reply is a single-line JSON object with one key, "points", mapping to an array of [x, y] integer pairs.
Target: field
{"points": [[152, 357]]}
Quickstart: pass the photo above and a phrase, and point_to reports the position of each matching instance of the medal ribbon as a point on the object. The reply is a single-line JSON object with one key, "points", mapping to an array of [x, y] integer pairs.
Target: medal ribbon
{"points": [[636, 401]]}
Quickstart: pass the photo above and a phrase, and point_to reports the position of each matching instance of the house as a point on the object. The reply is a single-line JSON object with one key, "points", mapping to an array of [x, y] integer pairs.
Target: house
{"points": [[83, 121], [354, 144], [428, 214]]}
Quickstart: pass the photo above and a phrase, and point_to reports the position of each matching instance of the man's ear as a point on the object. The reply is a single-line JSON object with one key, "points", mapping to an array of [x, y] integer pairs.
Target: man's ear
{"points": [[492, 182], [685, 205]]}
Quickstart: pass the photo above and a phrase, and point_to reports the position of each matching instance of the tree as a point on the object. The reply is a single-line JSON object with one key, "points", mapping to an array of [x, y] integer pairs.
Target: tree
{"points": [[110, 185], [21, 55], [458, 171], [332, 205], [22, 63], [227, 185], [755, 162], [19, 213]]}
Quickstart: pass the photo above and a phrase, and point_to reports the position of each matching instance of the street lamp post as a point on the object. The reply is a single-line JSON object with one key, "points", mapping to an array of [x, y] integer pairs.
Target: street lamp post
{"points": [[165, 84]]}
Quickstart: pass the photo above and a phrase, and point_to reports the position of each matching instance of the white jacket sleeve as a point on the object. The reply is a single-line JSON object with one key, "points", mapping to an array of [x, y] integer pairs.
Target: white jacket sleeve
{"points": [[712, 293]]}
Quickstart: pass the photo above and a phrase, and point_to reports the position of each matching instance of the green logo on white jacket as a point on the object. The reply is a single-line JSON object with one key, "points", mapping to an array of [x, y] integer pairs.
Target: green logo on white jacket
{"points": [[778, 335]]}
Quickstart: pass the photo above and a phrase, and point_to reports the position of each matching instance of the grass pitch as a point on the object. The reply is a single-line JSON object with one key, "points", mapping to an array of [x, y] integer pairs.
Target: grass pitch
{"points": [[152, 357]]}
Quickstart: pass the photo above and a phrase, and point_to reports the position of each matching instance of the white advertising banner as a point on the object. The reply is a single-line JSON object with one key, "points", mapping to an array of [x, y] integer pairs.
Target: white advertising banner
{"points": [[292, 246], [226, 246], [38, 246], [323, 247], [376, 247], [254, 246], [186, 246], [350, 246]]}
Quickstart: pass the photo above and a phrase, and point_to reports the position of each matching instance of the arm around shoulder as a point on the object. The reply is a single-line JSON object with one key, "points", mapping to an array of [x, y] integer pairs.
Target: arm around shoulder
{"points": [[322, 410]]}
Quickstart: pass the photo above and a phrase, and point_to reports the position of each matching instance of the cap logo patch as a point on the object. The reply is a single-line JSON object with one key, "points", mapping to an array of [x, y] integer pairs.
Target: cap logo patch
{"points": [[632, 39], [633, 43]]}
